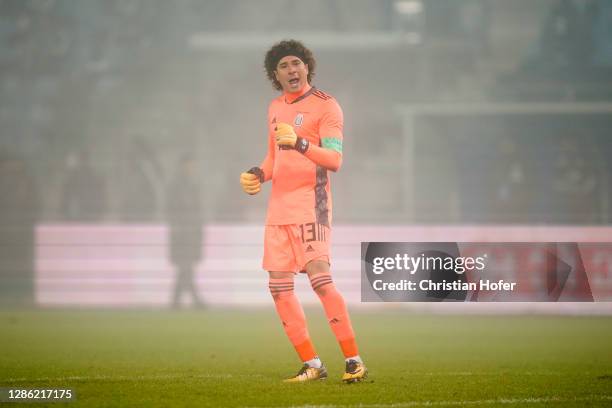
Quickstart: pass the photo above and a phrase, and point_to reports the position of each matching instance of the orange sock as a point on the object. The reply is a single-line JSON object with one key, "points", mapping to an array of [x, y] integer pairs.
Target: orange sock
{"points": [[336, 312], [292, 316]]}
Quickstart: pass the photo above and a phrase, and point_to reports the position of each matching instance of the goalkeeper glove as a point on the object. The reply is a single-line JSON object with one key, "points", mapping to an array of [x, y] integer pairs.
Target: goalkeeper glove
{"points": [[287, 139], [251, 180]]}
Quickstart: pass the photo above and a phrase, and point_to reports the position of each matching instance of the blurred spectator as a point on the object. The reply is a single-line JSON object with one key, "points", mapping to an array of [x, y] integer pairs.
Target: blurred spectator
{"points": [[143, 182], [602, 35], [84, 191], [567, 39], [567, 62], [18, 215], [184, 214], [575, 185], [510, 201], [567, 42]]}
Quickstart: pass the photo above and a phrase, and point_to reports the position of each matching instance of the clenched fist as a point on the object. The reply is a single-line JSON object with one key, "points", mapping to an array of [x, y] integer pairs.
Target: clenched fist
{"points": [[285, 135], [251, 180]]}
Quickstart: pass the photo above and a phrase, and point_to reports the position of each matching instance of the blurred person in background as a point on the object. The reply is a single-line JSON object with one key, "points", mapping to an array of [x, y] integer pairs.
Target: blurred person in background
{"points": [[19, 206], [567, 36], [143, 182], [566, 46], [83, 191], [184, 215], [602, 36], [568, 60], [509, 184], [575, 185]]}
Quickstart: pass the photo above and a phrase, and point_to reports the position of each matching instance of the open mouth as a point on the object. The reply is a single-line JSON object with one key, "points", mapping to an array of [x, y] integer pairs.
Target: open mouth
{"points": [[294, 81]]}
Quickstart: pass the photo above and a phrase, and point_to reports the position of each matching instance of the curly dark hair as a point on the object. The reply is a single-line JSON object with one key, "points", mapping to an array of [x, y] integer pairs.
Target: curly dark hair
{"points": [[283, 49]]}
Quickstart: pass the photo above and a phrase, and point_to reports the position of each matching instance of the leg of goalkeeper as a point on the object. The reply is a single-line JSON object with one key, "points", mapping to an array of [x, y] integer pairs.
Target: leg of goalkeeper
{"points": [[291, 314], [334, 305]]}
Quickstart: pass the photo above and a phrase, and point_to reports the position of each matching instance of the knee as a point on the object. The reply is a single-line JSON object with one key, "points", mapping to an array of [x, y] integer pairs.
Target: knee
{"points": [[316, 267]]}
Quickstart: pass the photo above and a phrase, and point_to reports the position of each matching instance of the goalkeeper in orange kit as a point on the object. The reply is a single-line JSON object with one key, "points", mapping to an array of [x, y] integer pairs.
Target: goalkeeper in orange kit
{"points": [[304, 143]]}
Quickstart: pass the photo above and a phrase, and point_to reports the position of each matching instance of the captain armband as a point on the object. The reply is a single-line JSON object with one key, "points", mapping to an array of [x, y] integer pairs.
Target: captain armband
{"points": [[332, 143]]}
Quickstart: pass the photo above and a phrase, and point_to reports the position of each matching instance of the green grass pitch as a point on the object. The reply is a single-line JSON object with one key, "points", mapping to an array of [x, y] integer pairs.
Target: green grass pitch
{"points": [[237, 358]]}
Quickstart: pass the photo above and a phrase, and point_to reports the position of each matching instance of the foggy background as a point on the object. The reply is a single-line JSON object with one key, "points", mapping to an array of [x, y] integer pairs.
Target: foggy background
{"points": [[125, 120]]}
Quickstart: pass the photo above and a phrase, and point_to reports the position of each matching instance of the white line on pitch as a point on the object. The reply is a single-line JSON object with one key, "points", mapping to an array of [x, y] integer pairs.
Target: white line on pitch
{"points": [[228, 375], [485, 373], [504, 401], [129, 378]]}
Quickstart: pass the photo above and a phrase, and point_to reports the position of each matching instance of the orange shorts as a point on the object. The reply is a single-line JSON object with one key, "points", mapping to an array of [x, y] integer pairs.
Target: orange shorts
{"points": [[288, 248]]}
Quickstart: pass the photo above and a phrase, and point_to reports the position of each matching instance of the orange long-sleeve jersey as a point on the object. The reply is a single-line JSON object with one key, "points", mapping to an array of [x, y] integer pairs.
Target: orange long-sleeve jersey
{"points": [[301, 190]]}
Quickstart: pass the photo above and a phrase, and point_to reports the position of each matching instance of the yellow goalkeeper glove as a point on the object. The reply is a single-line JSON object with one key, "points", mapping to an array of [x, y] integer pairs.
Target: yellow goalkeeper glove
{"points": [[251, 180], [287, 139]]}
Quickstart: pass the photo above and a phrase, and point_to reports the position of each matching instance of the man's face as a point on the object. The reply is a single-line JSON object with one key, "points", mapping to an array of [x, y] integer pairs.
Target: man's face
{"points": [[292, 73]]}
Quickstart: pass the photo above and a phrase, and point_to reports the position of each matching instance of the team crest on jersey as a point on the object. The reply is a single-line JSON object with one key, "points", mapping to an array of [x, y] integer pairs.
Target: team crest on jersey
{"points": [[298, 120]]}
